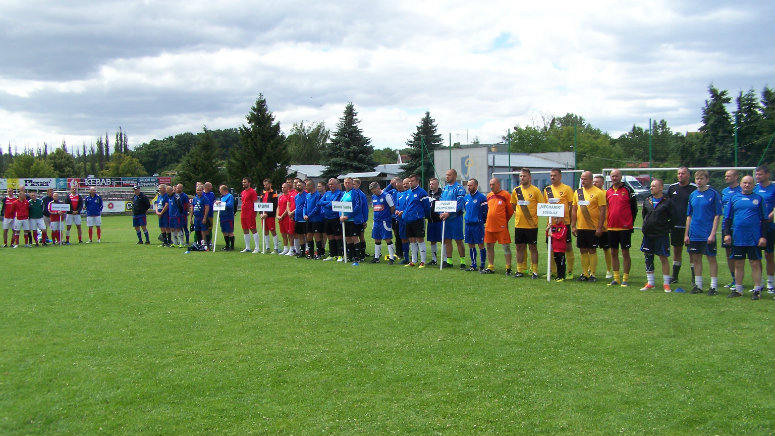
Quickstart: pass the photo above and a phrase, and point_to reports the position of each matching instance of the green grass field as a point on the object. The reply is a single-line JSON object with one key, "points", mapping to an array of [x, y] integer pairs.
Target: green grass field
{"points": [[123, 339]]}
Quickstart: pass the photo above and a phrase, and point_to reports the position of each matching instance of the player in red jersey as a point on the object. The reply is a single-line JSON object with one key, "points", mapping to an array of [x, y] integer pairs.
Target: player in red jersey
{"points": [[9, 203], [57, 220], [269, 196], [284, 207], [74, 216], [22, 222], [248, 215]]}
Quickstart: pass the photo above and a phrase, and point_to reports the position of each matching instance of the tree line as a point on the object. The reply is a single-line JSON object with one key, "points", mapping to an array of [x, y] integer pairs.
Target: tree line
{"points": [[259, 148]]}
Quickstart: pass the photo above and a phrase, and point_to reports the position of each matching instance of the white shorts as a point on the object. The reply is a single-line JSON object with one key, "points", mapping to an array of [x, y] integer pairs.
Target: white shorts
{"points": [[8, 223], [73, 219], [37, 224], [57, 225], [93, 221], [21, 225]]}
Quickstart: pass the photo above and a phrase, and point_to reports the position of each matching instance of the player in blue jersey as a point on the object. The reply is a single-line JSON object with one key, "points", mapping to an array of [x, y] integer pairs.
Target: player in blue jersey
{"points": [[702, 219], [396, 186], [331, 220], [200, 212], [365, 214], [93, 203], [417, 208], [745, 227], [475, 204], [175, 215], [162, 211], [353, 221], [766, 189], [300, 224], [314, 217], [226, 218], [184, 200], [453, 228], [383, 206], [433, 229], [732, 179]]}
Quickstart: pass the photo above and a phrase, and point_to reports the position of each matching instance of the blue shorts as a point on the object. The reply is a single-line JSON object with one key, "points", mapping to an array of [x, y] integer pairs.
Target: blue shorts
{"points": [[175, 222], [770, 247], [139, 221], [164, 221], [701, 247], [227, 226], [402, 230], [199, 226], [382, 230], [750, 252], [659, 245], [474, 233], [434, 232], [454, 228]]}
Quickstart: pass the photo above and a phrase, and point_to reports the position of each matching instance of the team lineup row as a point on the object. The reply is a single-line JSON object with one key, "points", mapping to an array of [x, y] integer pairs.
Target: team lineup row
{"points": [[684, 214]]}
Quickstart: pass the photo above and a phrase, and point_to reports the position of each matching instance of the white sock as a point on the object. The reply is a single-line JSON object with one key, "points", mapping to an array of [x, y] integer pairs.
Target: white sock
{"points": [[698, 281], [391, 250], [255, 242], [423, 253], [714, 282], [276, 242], [377, 251], [246, 236], [650, 278], [666, 279], [770, 281], [266, 241], [413, 249], [433, 250]]}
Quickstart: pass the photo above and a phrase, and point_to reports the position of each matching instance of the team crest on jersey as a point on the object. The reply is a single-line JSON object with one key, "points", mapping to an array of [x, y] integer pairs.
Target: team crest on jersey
{"points": [[755, 202]]}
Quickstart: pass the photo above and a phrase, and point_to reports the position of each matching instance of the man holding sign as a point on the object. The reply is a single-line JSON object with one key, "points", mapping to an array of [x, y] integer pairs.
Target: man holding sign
{"points": [[525, 198], [587, 220], [453, 229]]}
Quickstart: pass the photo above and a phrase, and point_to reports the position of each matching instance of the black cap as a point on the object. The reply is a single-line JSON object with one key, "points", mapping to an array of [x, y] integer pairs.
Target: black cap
{"points": [[135, 187]]}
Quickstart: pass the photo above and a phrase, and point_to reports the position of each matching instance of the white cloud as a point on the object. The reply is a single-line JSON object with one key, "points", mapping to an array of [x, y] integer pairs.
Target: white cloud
{"points": [[161, 68]]}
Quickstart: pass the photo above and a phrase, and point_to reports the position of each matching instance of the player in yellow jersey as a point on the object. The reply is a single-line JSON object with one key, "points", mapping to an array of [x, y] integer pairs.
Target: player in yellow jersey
{"points": [[560, 193], [587, 219], [525, 199]]}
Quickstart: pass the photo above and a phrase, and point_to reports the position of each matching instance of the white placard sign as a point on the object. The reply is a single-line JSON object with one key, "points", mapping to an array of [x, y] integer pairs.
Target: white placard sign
{"points": [[219, 205], [342, 206], [440, 206], [60, 207], [263, 207], [555, 210]]}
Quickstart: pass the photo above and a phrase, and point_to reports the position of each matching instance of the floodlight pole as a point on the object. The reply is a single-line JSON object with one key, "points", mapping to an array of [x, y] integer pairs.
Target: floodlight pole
{"points": [[508, 148], [450, 150], [736, 120], [651, 161]]}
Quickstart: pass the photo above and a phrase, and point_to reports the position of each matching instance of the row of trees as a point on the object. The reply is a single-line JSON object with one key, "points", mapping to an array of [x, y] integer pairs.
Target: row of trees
{"points": [[260, 149]]}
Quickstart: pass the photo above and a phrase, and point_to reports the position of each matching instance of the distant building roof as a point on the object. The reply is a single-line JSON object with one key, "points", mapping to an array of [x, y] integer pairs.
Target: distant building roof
{"points": [[520, 160]]}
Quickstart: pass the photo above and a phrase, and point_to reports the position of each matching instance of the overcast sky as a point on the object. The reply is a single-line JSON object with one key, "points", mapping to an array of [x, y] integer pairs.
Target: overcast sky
{"points": [[76, 69]]}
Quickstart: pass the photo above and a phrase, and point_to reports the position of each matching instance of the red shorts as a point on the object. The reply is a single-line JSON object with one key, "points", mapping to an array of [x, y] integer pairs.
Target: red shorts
{"points": [[269, 224], [287, 226], [501, 237], [248, 221]]}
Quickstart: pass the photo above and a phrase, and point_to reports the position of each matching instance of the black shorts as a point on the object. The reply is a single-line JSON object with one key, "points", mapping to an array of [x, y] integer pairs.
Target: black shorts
{"points": [[300, 228], [316, 227], [351, 229], [332, 227], [586, 239], [525, 236], [677, 236], [701, 247], [415, 229], [602, 241], [619, 239]]}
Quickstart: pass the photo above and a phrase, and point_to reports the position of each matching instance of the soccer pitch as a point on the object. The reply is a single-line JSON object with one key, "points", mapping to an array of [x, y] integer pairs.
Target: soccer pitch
{"points": [[115, 338]]}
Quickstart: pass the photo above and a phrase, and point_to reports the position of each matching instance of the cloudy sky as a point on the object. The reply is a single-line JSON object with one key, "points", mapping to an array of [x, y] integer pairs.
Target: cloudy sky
{"points": [[76, 69]]}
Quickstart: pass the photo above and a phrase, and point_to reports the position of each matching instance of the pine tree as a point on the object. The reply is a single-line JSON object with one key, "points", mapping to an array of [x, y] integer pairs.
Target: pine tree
{"points": [[748, 117], [100, 154], [349, 151], [420, 160], [201, 163], [716, 147], [262, 151]]}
